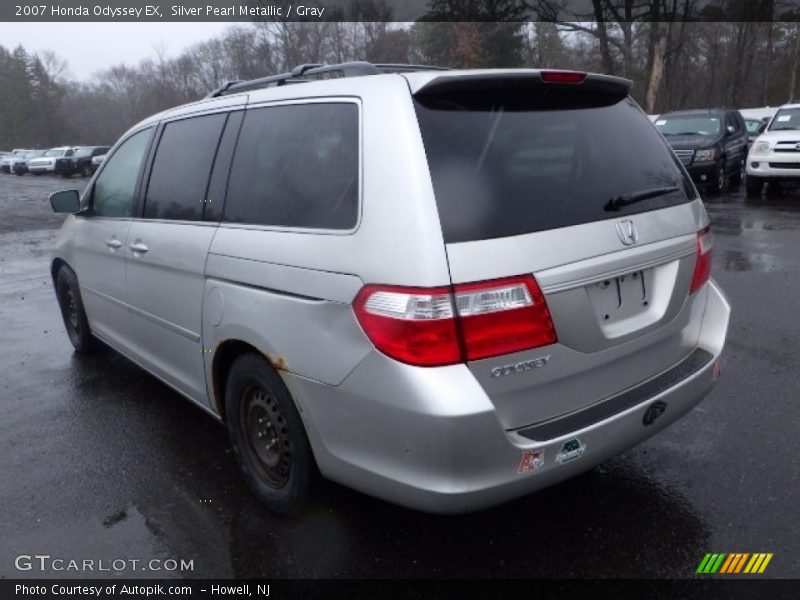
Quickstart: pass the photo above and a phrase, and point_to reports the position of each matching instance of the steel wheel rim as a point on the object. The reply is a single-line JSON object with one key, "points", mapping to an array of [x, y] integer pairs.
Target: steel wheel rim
{"points": [[267, 436], [71, 310]]}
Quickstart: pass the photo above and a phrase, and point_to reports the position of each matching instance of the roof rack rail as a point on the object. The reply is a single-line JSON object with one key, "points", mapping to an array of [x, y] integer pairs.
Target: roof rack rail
{"points": [[298, 74]]}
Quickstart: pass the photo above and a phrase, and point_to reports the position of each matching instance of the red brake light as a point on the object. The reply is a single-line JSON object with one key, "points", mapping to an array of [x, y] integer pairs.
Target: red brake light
{"points": [[503, 316], [562, 76], [412, 325], [441, 326], [702, 266]]}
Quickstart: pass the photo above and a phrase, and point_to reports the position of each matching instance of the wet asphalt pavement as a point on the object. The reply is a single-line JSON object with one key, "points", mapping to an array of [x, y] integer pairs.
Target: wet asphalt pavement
{"points": [[100, 460]]}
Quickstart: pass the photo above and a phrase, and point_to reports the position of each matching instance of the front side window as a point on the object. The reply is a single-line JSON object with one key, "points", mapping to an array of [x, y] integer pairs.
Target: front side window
{"points": [[116, 184], [296, 166], [179, 178]]}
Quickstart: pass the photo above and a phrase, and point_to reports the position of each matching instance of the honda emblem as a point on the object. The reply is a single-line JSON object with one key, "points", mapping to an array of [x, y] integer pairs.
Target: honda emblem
{"points": [[627, 233]]}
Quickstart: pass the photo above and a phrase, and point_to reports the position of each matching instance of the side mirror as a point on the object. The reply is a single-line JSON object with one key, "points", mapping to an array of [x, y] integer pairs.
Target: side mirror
{"points": [[730, 129], [66, 201], [763, 127]]}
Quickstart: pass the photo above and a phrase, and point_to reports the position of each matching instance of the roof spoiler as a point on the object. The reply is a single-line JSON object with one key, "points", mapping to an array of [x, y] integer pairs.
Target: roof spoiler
{"points": [[521, 80]]}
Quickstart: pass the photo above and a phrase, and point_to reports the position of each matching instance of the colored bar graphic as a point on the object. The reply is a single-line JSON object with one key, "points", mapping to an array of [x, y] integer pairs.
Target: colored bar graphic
{"points": [[764, 564], [717, 564], [703, 563], [734, 562], [741, 563]]}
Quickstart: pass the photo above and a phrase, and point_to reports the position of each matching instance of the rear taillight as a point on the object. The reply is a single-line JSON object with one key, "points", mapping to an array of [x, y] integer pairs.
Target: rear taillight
{"points": [[702, 266], [443, 326], [562, 76]]}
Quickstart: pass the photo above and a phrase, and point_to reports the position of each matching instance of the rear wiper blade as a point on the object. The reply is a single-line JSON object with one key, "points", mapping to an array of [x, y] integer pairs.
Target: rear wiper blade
{"points": [[626, 199]]}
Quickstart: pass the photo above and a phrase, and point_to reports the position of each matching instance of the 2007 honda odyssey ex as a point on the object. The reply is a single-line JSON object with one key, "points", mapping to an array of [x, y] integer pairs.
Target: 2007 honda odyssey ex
{"points": [[443, 288]]}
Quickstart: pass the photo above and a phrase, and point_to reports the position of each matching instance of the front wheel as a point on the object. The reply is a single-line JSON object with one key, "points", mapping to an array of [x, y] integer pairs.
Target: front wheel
{"points": [[739, 176], [86, 170], [69, 300], [268, 436], [754, 185], [719, 185]]}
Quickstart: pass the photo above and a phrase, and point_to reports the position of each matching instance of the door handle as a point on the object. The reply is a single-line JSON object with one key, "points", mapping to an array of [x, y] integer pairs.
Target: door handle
{"points": [[139, 248], [113, 243]]}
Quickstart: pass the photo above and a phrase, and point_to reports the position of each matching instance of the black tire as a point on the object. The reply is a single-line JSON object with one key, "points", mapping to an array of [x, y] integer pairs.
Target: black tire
{"points": [[738, 177], [38, 173], [19, 173], [719, 185], [65, 174], [86, 170], [753, 185], [774, 189], [69, 300], [268, 436]]}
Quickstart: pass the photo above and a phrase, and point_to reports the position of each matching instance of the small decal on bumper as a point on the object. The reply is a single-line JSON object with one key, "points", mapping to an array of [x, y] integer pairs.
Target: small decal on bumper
{"points": [[570, 450], [532, 460]]}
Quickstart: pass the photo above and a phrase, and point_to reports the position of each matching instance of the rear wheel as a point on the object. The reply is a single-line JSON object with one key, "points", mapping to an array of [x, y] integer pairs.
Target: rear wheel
{"points": [[268, 436], [71, 304], [753, 185], [719, 185]]}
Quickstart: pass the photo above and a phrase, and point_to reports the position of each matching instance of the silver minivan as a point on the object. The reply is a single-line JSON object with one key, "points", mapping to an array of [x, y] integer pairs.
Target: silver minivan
{"points": [[447, 289]]}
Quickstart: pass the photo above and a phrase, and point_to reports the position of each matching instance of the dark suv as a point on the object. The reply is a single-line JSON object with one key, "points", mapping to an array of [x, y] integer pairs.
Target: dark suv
{"points": [[711, 144], [80, 162]]}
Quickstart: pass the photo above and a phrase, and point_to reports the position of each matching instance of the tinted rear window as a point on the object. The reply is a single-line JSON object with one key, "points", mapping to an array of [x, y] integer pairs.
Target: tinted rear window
{"points": [[182, 166], [296, 166], [511, 163]]}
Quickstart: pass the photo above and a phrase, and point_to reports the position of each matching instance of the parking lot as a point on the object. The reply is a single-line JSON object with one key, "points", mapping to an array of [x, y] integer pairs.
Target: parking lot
{"points": [[101, 460]]}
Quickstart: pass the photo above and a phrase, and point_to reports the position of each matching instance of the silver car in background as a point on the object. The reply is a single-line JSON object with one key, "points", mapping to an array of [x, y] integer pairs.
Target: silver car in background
{"points": [[447, 289]]}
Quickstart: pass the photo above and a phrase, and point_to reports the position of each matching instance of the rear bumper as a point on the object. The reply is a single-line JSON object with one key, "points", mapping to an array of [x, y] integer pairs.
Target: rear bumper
{"points": [[41, 168], [430, 439]]}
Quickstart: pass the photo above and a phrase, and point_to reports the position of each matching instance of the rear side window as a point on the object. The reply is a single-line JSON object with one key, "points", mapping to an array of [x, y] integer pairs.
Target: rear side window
{"points": [[182, 166], [512, 163], [296, 166]]}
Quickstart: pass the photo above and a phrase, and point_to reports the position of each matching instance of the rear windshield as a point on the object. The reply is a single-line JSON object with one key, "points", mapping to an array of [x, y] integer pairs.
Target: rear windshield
{"points": [[511, 163]]}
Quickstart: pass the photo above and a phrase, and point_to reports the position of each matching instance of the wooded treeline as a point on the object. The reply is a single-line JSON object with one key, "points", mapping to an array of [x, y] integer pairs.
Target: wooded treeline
{"points": [[674, 57]]}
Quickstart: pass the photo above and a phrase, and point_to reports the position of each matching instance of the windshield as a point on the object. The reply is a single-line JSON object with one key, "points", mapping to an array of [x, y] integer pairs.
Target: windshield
{"points": [[36, 154], [55, 152], [508, 163], [689, 125], [786, 119], [83, 152], [752, 125]]}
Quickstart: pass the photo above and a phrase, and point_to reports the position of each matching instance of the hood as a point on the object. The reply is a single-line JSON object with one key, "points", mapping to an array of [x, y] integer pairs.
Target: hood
{"points": [[691, 142], [790, 135]]}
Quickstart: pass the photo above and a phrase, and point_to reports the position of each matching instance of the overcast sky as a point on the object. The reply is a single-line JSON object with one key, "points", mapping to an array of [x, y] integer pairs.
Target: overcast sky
{"points": [[91, 47]]}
